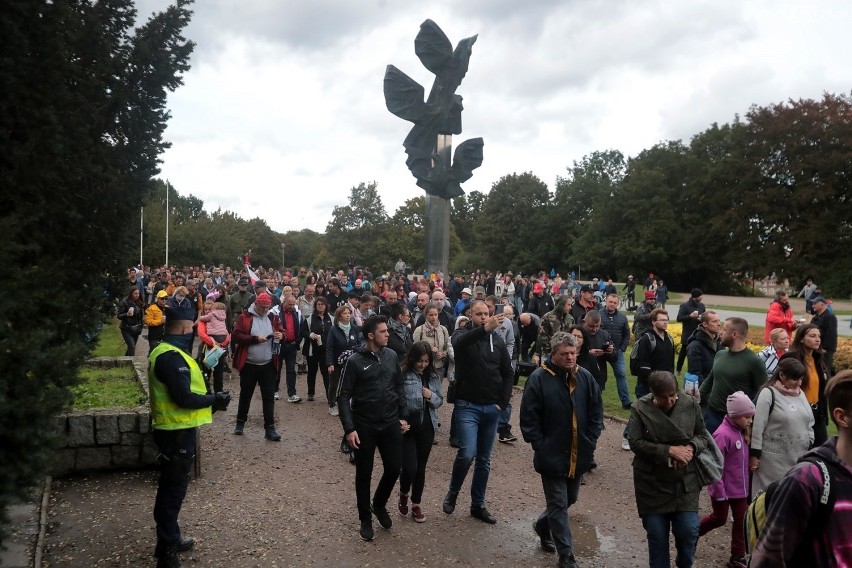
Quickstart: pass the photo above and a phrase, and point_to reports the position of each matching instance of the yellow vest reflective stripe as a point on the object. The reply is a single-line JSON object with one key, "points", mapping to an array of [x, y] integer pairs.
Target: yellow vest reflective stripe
{"points": [[165, 414]]}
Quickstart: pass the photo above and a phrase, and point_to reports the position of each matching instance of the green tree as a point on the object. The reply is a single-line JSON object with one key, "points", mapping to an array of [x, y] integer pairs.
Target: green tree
{"points": [[83, 110], [356, 228], [510, 227]]}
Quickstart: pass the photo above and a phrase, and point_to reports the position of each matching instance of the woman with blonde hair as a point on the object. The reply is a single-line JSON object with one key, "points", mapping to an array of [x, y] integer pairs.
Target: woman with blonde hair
{"points": [[779, 342]]}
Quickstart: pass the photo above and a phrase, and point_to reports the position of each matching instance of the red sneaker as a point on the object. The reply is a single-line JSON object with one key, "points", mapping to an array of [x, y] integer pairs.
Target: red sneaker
{"points": [[417, 514], [403, 504]]}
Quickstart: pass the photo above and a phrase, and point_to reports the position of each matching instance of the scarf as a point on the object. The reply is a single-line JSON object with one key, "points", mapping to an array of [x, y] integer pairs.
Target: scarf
{"points": [[345, 328], [430, 330], [400, 329], [796, 391]]}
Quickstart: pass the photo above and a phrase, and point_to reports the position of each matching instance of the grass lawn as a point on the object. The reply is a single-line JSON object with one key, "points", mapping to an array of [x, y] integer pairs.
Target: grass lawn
{"points": [[110, 343], [113, 387]]}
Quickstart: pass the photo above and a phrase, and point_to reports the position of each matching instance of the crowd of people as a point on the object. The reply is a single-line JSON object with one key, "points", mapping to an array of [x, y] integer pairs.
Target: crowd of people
{"points": [[392, 348]]}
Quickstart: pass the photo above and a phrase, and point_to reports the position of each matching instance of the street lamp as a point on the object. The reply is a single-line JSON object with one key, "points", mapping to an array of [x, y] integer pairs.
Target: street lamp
{"points": [[283, 249]]}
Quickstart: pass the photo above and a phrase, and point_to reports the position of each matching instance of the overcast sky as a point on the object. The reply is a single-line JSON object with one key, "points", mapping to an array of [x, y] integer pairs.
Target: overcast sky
{"points": [[283, 111]]}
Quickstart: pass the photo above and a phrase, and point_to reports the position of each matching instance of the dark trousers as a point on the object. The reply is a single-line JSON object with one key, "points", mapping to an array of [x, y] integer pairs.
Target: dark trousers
{"points": [[416, 447], [712, 419], [251, 376], [526, 348], [681, 358], [317, 363], [560, 492], [389, 443], [820, 431], [177, 450], [152, 344], [334, 381], [288, 362], [219, 369], [130, 339]]}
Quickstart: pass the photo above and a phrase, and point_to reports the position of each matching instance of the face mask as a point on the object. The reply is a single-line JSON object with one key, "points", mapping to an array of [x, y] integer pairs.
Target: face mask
{"points": [[181, 341], [179, 298]]}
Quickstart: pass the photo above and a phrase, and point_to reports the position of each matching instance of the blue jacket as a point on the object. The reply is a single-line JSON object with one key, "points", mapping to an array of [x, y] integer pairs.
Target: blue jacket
{"points": [[414, 403]]}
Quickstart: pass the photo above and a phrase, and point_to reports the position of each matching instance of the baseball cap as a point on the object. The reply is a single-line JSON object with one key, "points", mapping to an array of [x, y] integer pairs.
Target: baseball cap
{"points": [[650, 295], [242, 282], [162, 294], [539, 287], [586, 288], [819, 299]]}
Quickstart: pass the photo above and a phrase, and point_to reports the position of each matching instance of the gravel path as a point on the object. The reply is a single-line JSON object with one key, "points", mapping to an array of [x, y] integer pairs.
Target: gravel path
{"points": [[292, 503]]}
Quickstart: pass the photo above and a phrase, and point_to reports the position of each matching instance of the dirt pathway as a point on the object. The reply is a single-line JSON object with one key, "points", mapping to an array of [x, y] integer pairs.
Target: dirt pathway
{"points": [[292, 503]]}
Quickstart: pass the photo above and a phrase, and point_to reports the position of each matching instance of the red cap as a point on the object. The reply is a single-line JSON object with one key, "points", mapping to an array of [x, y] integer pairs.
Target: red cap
{"points": [[263, 299], [539, 287], [649, 295]]}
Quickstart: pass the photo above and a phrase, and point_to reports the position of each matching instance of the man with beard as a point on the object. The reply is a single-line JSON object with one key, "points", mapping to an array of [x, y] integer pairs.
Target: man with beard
{"points": [[702, 346], [562, 417], [688, 315], [585, 304], [780, 314], [335, 295], [735, 368]]}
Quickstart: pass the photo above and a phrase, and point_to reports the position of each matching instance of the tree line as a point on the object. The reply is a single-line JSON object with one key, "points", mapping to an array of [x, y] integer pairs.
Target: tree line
{"points": [[768, 193]]}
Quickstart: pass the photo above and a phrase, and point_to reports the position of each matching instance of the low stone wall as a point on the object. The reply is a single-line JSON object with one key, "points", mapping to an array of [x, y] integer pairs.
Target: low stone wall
{"points": [[100, 439]]}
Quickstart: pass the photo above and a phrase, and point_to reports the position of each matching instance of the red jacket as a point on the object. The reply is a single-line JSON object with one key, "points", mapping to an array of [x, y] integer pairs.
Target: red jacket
{"points": [[777, 316], [242, 338]]}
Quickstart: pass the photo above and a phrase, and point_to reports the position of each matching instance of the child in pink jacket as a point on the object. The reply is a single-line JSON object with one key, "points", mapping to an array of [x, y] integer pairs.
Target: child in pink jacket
{"points": [[732, 491]]}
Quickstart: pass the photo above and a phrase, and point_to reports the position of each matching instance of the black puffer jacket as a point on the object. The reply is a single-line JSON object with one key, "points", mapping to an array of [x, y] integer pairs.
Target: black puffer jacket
{"points": [[701, 350], [616, 325], [483, 368], [374, 383]]}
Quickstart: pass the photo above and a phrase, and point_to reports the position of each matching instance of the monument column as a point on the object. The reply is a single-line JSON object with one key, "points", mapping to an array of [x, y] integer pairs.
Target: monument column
{"points": [[437, 219]]}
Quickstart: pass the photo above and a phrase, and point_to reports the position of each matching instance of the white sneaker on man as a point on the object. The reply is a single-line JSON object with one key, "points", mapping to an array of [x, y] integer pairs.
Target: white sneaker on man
{"points": [[333, 410], [625, 445], [277, 396]]}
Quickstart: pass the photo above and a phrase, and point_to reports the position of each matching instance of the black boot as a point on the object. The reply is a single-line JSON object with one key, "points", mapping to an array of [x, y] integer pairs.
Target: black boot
{"points": [[169, 558]]}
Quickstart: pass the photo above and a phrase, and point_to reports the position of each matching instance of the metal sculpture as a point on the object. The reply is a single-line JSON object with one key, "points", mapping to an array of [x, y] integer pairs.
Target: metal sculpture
{"points": [[437, 118]]}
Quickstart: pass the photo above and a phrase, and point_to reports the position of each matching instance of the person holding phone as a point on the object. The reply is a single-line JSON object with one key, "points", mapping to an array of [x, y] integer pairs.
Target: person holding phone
{"points": [[254, 332], [600, 345]]}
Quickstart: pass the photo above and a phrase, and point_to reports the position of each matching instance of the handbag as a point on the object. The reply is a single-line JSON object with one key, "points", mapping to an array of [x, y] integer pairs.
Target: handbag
{"points": [[211, 358], [709, 464], [136, 329]]}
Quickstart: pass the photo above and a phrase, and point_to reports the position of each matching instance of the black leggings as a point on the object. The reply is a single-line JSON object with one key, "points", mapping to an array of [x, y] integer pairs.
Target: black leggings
{"points": [[416, 447], [317, 363]]}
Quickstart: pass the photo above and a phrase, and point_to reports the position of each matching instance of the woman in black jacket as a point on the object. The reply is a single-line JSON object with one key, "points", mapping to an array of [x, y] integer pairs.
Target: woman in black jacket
{"points": [[399, 327], [584, 359], [130, 313], [314, 330], [342, 336]]}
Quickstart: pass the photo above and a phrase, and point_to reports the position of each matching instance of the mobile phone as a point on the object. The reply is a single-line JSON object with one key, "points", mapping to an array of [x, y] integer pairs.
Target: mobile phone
{"points": [[270, 336]]}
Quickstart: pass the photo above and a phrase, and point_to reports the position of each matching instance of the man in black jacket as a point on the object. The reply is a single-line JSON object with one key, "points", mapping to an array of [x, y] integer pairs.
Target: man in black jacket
{"points": [[562, 417], [827, 324], [484, 380], [615, 323], [372, 380], [688, 315]]}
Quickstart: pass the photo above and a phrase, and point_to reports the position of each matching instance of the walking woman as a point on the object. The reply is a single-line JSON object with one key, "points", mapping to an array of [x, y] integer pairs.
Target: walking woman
{"points": [[399, 326], [666, 434], [783, 425], [130, 313], [806, 349], [422, 397], [314, 331], [437, 336], [342, 336]]}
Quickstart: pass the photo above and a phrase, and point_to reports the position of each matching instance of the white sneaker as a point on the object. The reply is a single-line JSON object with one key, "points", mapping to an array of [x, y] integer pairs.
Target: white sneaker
{"points": [[625, 445], [277, 396], [294, 398], [333, 410]]}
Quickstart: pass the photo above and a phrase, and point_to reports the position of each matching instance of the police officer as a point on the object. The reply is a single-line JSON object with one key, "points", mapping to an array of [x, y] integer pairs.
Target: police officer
{"points": [[179, 405]]}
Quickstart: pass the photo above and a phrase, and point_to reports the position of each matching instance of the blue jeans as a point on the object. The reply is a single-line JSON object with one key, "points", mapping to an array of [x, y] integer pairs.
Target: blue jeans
{"points": [[288, 362], [505, 416], [620, 377], [560, 492], [477, 427], [684, 527]]}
